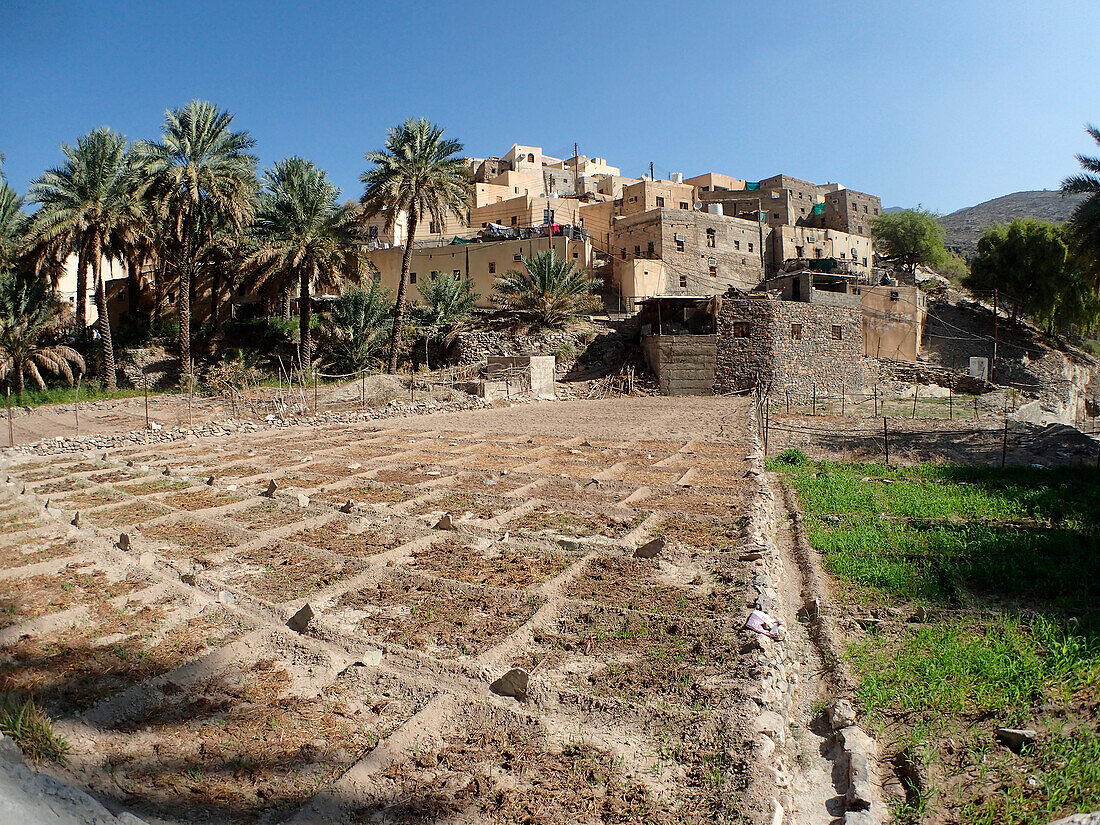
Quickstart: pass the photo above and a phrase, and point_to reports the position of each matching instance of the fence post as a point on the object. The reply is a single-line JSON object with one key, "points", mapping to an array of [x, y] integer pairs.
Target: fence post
{"points": [[145, 386], [190, 394], [886, 440], [950, 404], [787, 393], [1004, 438], [975, 409], [315, 392], [76, 403], [815, 400], [915, 386], [11, 425], [842, 403], [876, 400]]}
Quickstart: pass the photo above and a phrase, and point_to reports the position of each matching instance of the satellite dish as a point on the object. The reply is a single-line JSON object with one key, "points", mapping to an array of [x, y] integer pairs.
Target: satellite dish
{"points": [[698, 206]]}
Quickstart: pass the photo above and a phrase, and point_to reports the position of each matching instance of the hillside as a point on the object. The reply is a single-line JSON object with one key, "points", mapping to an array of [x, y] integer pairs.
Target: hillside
{"points": [[965, 226]]}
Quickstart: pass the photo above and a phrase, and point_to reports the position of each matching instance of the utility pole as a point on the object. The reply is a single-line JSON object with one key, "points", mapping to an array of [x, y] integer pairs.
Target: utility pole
{"points": [[651, 177], [993, 364]]}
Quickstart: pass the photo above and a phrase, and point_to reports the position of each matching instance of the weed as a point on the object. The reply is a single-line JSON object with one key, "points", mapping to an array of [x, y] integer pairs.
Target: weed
{"points": [[792, 458], [31, 729]]}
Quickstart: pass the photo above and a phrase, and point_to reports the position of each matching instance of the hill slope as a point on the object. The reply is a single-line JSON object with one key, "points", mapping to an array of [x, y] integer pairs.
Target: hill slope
{"points": [[965, 226]]}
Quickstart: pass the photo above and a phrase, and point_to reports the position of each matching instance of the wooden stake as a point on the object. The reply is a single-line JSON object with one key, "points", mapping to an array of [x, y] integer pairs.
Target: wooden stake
{"points": [[886, 440], [76, 403]]}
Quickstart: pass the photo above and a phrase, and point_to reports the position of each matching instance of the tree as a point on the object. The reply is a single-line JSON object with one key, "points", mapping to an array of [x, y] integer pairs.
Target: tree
{"points": [[909, 238], [83, 204], [417, 174], [306, 236], [353, 330], [204, 181], [31, 322], [1084, 224], [449, 301], [13, 226], [549, 292], [1032, 266]]}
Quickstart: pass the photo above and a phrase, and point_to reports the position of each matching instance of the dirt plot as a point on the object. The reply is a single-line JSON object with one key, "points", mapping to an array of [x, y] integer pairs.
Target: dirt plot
{"points": [[353, 539], [502, 565], [282, 572], [36, 550], [153, 485], [18, 522], [57, 488], [575, 523], [459, 504], [114, 649], [195, 537], [97, 497], [22, 599], [436, 616], [107, 476], [125, 515], [367, 493], [203, 499], [235, 749], [408, 477], [268, 514], [648, 584], [703, 533], [712, 502]]}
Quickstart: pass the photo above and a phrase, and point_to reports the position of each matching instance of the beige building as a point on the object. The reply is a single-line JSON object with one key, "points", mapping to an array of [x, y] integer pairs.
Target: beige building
{"points": [[647, 195], [527, 210], [482, 262], [790, 243], [893, 321], [715, 182]]}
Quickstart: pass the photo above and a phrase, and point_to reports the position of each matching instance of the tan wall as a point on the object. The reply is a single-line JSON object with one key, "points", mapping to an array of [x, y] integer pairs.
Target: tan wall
{"points": [[851, 211], [638, 279], [612, 185], [526, 211], [713, 181], [597, 218], [486, 193], [646, 195], [66, 285], [529, 182], [893, 328], [473, 261], [815, 242]]}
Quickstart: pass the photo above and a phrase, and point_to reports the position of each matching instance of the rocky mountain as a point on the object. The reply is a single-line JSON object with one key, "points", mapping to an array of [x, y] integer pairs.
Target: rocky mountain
{"points": [[965, 226]]}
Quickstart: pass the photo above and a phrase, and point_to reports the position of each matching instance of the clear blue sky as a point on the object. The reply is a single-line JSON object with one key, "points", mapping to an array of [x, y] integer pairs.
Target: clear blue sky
{"points": [[944, 103]]}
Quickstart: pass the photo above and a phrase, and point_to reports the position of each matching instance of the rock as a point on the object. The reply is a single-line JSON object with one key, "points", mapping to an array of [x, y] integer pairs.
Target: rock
{"points": [[372, 658], [76, 520], [810, 611], [300, 620], [272, 486], [842, 714], [921, 614], [752, 556], [445, 523], [129, 463], [303, 500], [225, 597], [513, 684], [124, 541], [9, 751], [1016, 738], [167, 471], [188, 579], [347, 506], [210, 481], [147, 559], [650, 549]]}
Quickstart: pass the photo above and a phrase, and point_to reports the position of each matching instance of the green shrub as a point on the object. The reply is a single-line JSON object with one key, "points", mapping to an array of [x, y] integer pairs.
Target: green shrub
{"points": [[792, 458], [31, 729]]}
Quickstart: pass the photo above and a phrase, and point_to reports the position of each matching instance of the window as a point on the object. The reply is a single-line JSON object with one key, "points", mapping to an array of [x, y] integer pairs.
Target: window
{"points": [[864, 209], [576, 254], [530, 157], [633, 198], [796, 332], [484, 224], [855, 253], [412, 277], [458, 273], [679, 245], [775, 214], [750, 247], [843, 256], [894, 295], [515, 220], [517, 257], [798, 251], [714, 272], [740, 329], [433, 227], [876, 210], [660, 201], [737, 244], [861, 230], [649, 248], [684, 205], [865, 262], [683, 281], [838, 332], [373, 232], [637, 251], [711, 239], [492, 267]]}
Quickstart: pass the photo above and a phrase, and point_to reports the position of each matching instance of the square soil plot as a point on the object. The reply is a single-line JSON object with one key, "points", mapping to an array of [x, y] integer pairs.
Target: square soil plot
{"points": [[646, 585], [125, 515], [194, 539], [159, 484], [711, 502], [203, 499], [268, 515], [408, 477], [578, 523], [109, 476], [96, 497], [703, 533], [460, 504], [115, 649], [240, 471], [13, 523], [505, 565], [367, 492], [35, 550], [491, 462], [651, 476], [637, 658], [237, 749], [24, 599], [568, 491], [58, 488], [282, 572], [37, 472], [495, 769], [439, 617], [351, 540]]}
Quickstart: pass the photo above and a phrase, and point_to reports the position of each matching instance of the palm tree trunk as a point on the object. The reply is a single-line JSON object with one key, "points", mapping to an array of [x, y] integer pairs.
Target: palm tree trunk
{"points": [[184, 306], [103, 322], [286, 303], [305, 344], [215, 288], [81, 289], [158, 294], [402, 285], [133, 286]]}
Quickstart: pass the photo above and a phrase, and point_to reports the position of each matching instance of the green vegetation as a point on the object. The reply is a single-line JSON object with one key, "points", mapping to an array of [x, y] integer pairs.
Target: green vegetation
{"points": [[549, 291], [1084, 225], [910, 238], [355, 329], [1006, 564], [31, 729], [421, 176], [31, 326]]}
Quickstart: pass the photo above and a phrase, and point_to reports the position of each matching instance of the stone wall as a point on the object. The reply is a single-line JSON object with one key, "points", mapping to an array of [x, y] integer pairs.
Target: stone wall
{"points": [[788, 345], [683, 364]]}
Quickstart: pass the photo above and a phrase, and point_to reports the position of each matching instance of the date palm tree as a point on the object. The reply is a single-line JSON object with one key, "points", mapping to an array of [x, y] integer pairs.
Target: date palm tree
{"points": [[418, 175], [305, 236], [83, 203], [1084, 224], [549, 291], [204, 181], [13, 224], [31, 322]]}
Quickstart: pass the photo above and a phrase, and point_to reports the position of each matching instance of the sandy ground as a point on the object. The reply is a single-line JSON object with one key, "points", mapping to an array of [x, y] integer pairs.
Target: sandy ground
{"points": [[169, 663]]}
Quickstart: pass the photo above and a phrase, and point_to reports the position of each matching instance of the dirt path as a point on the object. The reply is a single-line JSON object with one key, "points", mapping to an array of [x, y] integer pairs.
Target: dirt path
{"points": [[190, 693]]}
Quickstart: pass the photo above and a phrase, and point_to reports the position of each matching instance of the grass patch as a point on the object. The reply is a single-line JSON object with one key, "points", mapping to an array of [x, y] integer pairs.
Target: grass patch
{"points": [[31, 729]]}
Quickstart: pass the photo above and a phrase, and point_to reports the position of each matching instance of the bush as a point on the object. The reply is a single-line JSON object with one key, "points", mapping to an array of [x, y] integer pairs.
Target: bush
{"points": [[792, 458], [31, 729]]}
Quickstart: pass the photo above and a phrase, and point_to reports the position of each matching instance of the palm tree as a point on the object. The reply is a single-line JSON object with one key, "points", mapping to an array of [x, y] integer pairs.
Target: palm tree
{"points": [[204, 182], [1084, 224], [30, 322], [550, 292], [13, 226], [417, 174], [305, 236], [449, 301], [354, 328], [84, 203]]}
